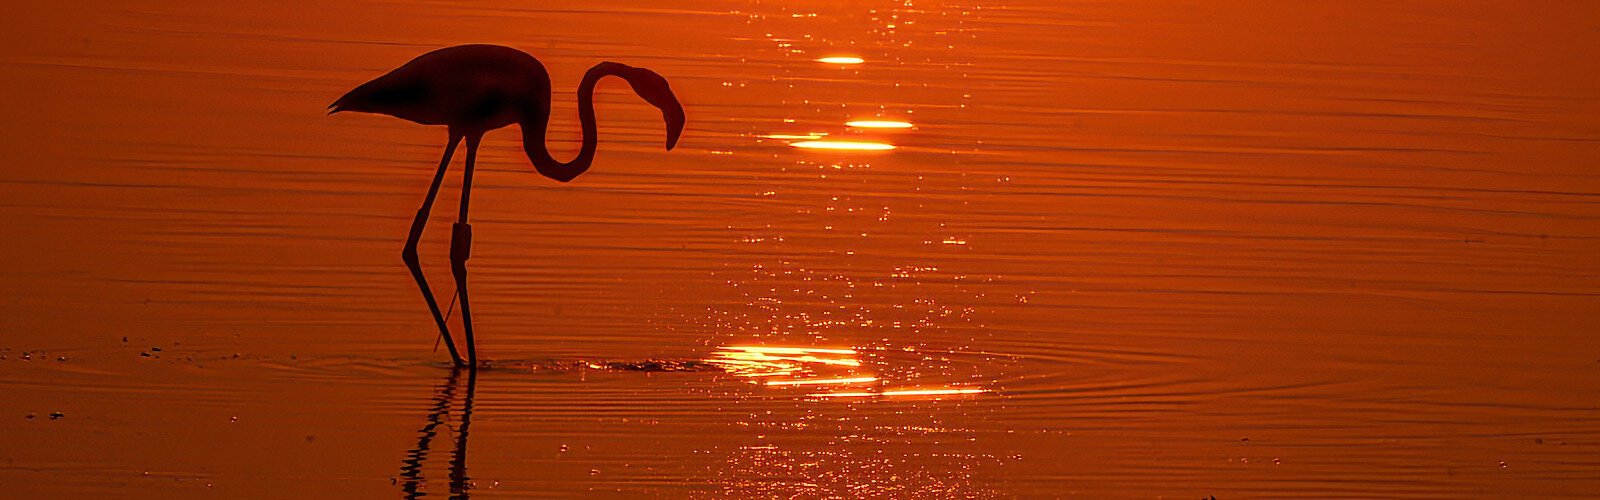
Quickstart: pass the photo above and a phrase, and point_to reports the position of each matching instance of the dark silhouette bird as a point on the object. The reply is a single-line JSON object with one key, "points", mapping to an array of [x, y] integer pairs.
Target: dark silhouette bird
{"points": [[472, 89]]}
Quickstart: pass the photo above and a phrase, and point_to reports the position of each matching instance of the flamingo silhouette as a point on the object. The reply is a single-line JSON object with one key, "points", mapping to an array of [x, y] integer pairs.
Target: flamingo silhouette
{"points": [[472, 89]]}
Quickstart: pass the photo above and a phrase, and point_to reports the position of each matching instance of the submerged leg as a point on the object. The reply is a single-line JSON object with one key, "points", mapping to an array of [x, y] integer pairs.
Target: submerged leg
{"points": [[461, 248], [409, 255]]}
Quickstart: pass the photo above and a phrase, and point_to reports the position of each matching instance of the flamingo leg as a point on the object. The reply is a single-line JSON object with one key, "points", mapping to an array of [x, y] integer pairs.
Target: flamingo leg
{"points": [[409, 254], [461, 249]]}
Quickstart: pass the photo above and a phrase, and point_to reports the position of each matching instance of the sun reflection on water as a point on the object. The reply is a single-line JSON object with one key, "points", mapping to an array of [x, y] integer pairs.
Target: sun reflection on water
{"points": [[843, 145], [813, 366], [903, 392], [764, 361], [807, 136], [824, 381], [841, 60], [878, 124], [897, 413]]}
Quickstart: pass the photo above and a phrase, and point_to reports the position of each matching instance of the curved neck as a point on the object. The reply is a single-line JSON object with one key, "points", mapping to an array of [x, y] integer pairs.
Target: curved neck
{"points": [[534, 129]]}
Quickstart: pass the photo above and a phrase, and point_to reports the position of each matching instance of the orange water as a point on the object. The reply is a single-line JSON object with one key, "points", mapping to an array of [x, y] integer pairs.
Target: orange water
{"points": [[1164, 249]]}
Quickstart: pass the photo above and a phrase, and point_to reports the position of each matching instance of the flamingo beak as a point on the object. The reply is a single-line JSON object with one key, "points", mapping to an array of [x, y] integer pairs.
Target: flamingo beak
{"points": [[654, 89], [675, 120]]}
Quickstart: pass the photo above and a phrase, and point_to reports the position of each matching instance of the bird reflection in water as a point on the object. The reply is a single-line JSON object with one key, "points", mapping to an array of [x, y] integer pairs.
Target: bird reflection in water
{"points": [[411, 479]]}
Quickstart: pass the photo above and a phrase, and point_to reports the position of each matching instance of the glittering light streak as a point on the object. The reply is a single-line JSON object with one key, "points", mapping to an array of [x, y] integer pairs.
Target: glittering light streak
{"points": [[841, 60], [904, 392], [843, 145], [877, 124], [789, 350], [824, 381], [764, 361]]}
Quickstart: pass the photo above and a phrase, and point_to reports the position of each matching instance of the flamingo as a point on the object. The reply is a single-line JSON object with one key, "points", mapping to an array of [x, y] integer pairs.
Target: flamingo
{"points": [[472, 89]]}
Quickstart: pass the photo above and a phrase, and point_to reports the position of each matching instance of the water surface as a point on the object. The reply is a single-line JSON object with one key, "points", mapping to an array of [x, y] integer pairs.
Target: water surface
{"points": [[1173, 249]]}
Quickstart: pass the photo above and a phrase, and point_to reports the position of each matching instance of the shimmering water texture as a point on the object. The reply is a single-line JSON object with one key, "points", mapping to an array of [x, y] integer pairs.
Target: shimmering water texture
{"points": [[903, 249], [812, 367]]}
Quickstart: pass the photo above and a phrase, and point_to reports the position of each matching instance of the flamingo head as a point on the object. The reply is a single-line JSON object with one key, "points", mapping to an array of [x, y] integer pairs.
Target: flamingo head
{"points": [[653, 89]]}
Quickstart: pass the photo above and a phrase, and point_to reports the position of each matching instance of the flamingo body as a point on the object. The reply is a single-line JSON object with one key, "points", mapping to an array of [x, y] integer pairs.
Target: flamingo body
{"points": [[472, 89], [468, 87]]}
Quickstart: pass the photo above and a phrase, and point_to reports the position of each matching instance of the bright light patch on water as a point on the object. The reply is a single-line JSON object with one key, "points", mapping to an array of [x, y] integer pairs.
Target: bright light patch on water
{"points": [[813, 367], [841, 60], [803, 137], [791, 366], [824, 381], [789, 350], [877, 124], [764, 361], [901, 393], [843, 145]]}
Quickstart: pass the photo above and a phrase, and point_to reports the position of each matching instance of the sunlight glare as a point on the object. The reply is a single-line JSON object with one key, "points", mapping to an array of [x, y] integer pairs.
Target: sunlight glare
{"points": [[904, 392], [841, 60], [825, 381], [877, 124], [843, 145]]}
